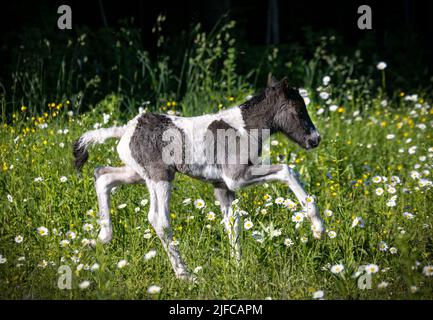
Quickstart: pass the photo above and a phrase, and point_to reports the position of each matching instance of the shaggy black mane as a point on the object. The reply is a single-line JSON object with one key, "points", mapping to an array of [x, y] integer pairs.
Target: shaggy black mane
{"points": [[253, 101]]}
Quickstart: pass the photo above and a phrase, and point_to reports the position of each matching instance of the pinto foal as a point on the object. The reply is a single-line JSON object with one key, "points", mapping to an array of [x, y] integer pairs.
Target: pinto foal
{"points": [[142, 148]]}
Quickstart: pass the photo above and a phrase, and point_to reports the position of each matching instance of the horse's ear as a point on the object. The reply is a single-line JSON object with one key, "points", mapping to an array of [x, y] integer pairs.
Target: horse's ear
{"points": [[272, 82], [285, 83]]}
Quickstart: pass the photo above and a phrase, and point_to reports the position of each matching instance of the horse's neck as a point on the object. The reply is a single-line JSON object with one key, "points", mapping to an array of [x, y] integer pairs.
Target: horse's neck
{"points": [[258, 116]]}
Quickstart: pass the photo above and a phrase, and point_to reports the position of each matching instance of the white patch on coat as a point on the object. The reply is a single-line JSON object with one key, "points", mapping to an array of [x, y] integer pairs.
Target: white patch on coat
{"points": [[195, 129]]}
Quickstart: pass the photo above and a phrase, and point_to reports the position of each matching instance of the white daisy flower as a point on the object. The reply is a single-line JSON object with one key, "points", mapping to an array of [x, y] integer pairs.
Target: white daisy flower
{"points": [[381, 65], [357, 221], [63, 179], [84, 285], [304, 239], [333, 108], [279, 200], [328, 213], [309, 199], [371, 268], [391, 203], [324, 95], [94, 267], [71, 235], [211, 216], [258, 236], [298, 217], [248, 225], [326, 80], [64, 243], [318, 294], [391, 190], [338, 268], [393, 250], [379, 191], [42, 231], [88, 227], [19, 239], [383, 246], [408, 215], [415, 174], [288, 203], [121, 264], [121, 206], [428, 271], [288, 242], [332, 234], [377, 179], [151, 254], [153, 289], [199, 203]]}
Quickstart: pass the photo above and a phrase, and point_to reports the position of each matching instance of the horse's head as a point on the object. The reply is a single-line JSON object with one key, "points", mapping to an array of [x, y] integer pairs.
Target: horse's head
{"points": [[291, 116]]}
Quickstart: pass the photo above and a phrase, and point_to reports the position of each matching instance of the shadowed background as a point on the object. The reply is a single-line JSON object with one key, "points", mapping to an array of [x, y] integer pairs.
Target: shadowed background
{"points": [[401, 35]]}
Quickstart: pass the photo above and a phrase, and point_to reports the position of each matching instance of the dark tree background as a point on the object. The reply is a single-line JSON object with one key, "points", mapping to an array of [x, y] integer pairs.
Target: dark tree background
{"points": [[402, 29]]}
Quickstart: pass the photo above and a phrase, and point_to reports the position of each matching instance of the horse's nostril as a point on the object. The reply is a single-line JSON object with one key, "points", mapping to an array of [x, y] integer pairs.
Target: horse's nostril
{"points": [[314, 142]]}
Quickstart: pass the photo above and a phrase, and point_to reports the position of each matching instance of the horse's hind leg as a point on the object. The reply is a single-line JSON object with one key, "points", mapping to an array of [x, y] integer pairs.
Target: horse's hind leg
{"points": [[159, 219], [106, 178], [231, 220]]}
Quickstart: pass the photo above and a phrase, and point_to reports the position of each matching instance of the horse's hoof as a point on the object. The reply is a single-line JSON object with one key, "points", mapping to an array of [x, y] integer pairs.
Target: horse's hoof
{"points": [[187, 276], [105, 236], [318, 231]]}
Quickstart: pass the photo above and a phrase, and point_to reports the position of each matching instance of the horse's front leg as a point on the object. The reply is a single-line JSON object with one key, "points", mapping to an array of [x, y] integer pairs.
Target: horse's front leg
{"points": [[281, 172], [307, 202]]}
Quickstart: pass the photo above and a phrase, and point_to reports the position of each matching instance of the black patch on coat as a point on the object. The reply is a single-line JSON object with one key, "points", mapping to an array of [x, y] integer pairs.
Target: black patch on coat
{"points": [[232, 170], [146, 146], [80, 155]]}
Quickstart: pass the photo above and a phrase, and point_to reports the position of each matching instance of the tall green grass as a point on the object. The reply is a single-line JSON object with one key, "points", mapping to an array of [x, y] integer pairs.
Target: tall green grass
{"points": [[40, 121]]}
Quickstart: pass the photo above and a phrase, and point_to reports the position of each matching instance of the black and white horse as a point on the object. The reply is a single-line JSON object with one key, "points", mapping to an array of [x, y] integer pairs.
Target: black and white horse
{"points": [[152, 158]]}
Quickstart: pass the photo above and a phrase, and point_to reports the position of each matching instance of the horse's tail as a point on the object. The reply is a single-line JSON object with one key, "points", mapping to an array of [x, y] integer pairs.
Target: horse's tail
{"points": [[92, 137]]}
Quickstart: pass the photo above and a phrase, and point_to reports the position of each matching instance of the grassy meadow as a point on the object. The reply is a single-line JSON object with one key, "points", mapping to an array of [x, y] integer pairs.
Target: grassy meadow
{"points": [[371, 178]]}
